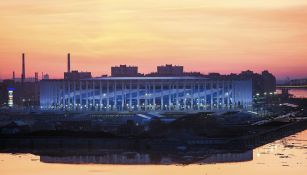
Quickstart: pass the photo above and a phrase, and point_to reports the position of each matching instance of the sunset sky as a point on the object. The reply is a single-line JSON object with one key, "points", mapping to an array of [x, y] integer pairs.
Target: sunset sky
{"points": [[202, 35]]}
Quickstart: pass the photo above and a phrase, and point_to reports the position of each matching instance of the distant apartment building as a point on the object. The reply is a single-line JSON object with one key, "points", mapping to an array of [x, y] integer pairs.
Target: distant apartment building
{"points": [[124, 71], [76, 75], [269, 81], [262, 83], [170, 70]]}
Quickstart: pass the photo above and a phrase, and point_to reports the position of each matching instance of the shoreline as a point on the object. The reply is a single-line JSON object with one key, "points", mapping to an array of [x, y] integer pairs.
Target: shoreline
{"points": [[144, 143]]}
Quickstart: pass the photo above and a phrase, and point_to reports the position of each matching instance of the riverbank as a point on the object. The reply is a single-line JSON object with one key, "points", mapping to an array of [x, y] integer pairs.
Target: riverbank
{"points": [[97, 141]]}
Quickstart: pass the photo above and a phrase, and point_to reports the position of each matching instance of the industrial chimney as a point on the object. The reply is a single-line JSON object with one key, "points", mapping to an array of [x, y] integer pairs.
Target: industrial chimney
{"points": [[14, 76], [23, 74], [68, 62], [36, 76]]}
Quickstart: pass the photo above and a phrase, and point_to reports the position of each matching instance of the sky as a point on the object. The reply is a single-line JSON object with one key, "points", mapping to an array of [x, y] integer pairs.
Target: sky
{"points": [[202, 35]]}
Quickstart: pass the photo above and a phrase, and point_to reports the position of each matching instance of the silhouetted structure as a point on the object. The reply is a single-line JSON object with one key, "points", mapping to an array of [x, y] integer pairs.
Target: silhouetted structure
{"points": [[262, 83], [167, 71], [45, 76], [13, 76], [269, 81], [74, 75], [23, 74], [170, 70], [68, 62], [36, 76], [124, 71], [23, 92]]}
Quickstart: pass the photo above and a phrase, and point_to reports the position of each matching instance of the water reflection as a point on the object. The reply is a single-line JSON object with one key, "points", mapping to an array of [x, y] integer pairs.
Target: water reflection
{"points": [[283, 157], [129, 158], [130, 152], [72, 152], [296, 92], [290, 151], [299, 93]]}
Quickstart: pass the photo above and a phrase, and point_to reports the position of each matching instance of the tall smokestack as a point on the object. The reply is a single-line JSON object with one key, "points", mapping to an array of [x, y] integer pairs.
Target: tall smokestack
{"points": [[68, 62], [13, 75], [23, 74], [36, 76]]}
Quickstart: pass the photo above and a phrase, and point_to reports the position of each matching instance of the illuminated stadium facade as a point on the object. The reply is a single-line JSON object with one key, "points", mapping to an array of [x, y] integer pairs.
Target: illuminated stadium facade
{"points": [[178, 93]]}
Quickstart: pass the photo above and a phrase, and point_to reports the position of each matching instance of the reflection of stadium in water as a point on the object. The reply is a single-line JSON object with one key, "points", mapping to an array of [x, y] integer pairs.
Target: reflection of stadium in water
{"points": [[147, 158], [136, 152]]}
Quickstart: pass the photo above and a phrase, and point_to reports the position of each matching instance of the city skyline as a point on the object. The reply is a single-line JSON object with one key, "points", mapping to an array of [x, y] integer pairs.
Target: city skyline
{"points": [[121, 70], [226, 37], [109, 73]]}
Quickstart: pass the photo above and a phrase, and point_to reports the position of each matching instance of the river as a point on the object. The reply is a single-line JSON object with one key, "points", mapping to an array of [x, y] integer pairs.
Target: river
{"points": [[282, 157], [297, 92]]}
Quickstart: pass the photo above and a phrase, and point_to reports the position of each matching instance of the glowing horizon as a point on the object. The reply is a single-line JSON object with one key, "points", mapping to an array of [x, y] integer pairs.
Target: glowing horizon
{"points": [[203, 36]]}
